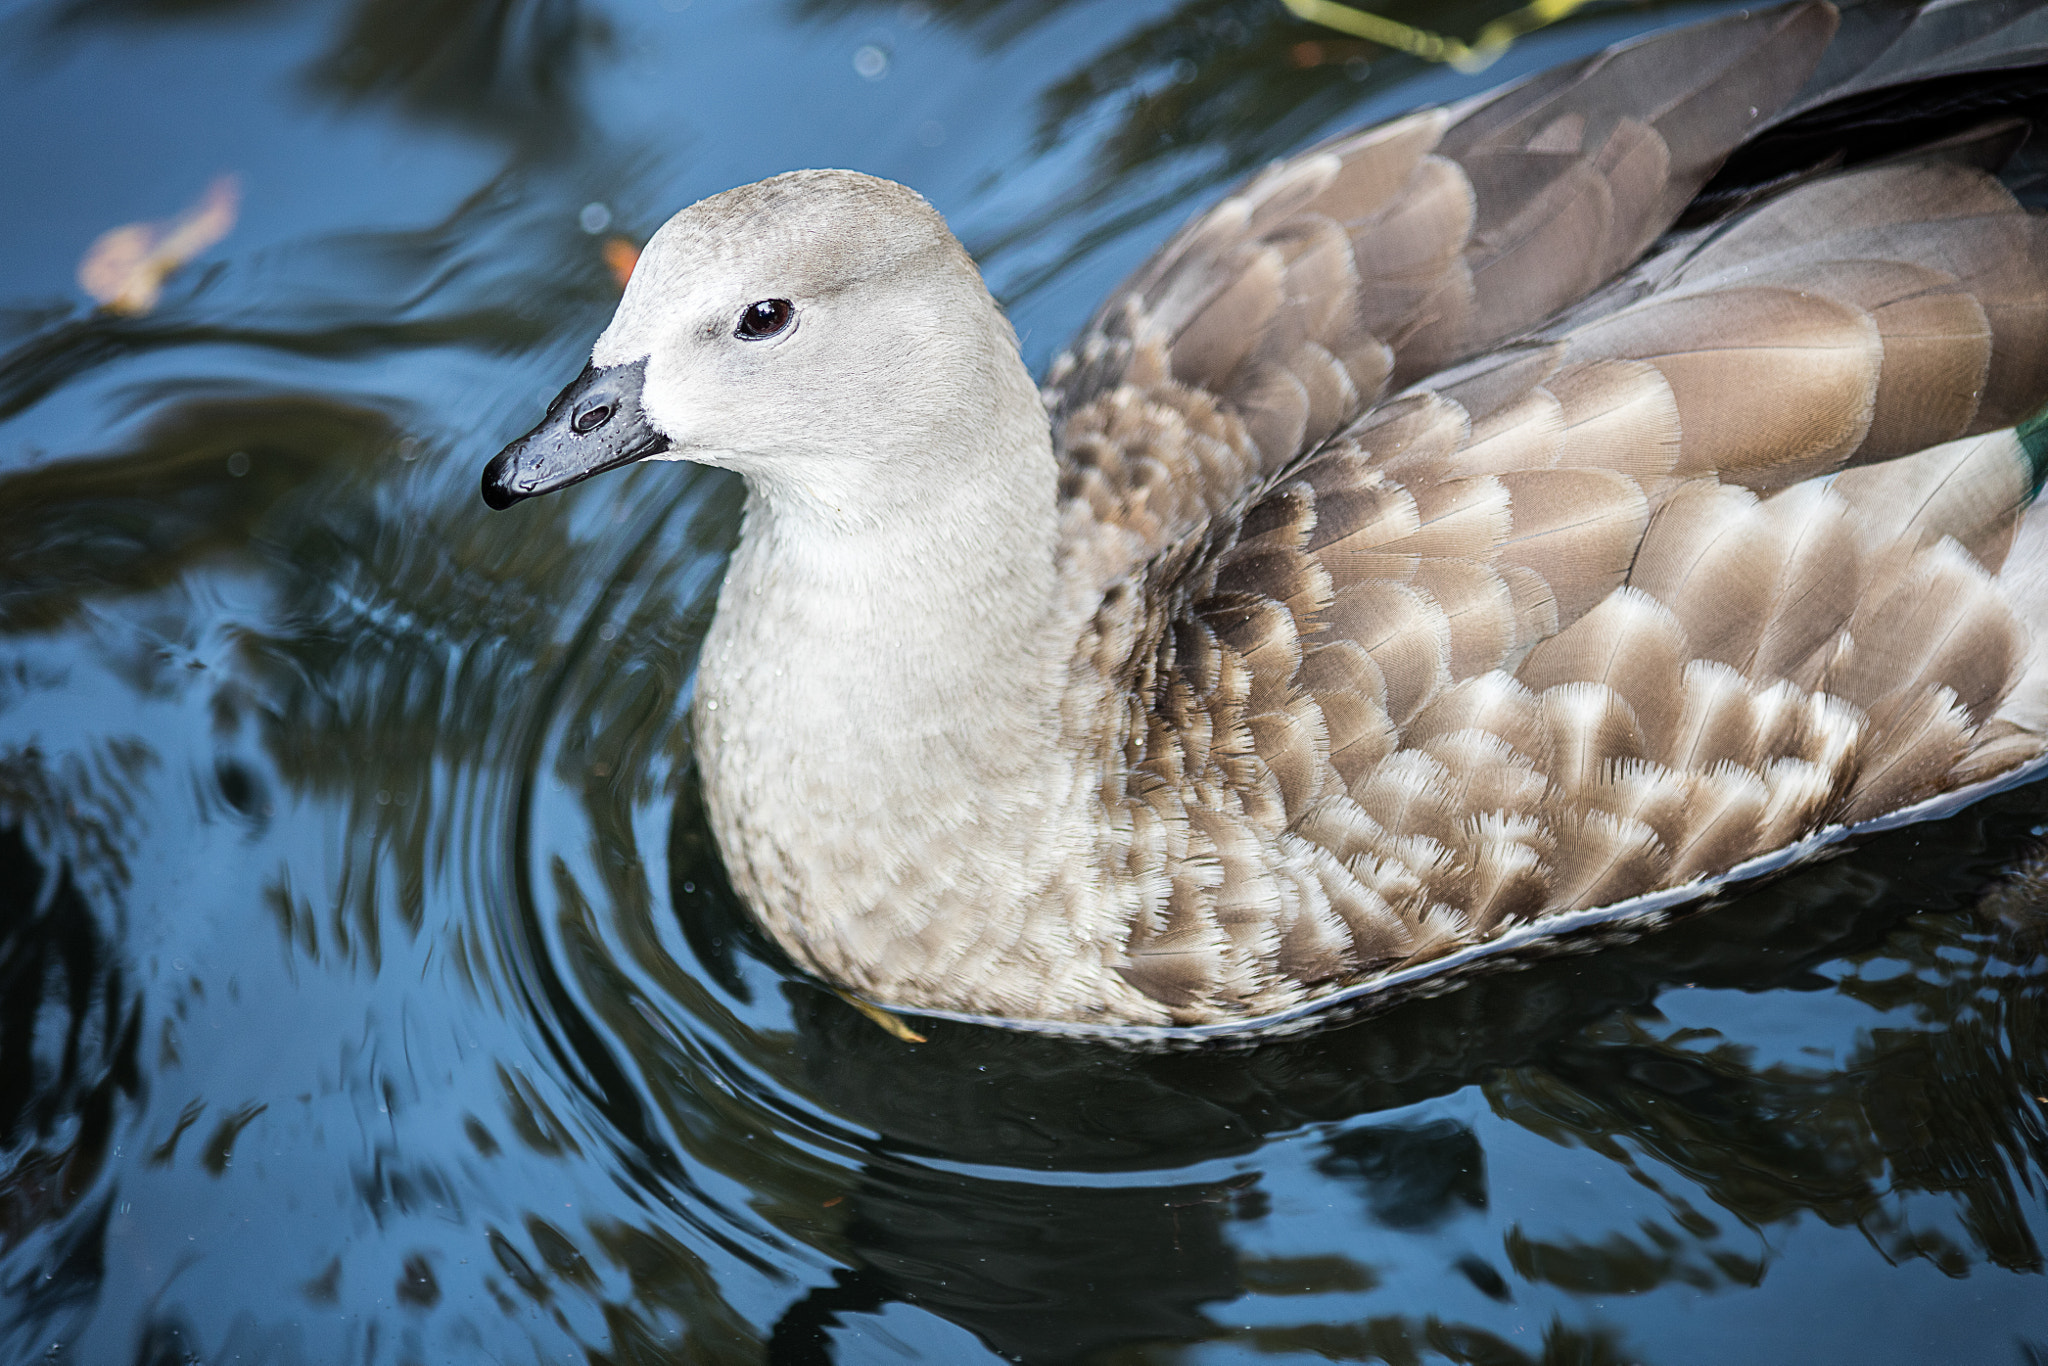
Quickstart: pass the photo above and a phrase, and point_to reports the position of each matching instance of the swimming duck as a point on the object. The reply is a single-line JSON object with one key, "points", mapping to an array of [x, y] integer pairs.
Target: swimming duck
{"points": [[1465, 532]]}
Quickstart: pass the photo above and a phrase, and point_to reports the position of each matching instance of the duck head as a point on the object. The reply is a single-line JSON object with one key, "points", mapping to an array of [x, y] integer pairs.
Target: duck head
{"points": [[800, 331]]}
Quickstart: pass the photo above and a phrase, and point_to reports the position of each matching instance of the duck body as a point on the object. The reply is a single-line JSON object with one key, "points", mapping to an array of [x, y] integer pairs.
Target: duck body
{"points": [[1431, 549]]}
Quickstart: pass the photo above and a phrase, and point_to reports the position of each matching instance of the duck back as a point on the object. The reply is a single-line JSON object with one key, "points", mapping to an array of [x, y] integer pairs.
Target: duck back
{"points": [[1494, 529]]}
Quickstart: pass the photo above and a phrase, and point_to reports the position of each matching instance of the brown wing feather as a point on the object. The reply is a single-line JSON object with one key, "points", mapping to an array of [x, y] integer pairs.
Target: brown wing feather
{"points": [[1607, 610], [1461, 227]]}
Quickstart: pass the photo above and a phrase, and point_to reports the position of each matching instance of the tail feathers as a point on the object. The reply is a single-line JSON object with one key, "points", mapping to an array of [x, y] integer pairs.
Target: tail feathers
{"points": [[2023, 584]]}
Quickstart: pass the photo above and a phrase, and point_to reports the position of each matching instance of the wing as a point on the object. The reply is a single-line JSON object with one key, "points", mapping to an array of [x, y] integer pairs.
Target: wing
{"points": [[1283, 313], [1740, 550]]}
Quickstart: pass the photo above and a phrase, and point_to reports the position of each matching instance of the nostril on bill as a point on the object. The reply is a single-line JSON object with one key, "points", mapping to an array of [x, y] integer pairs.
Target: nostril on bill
{"points": [[590, 419]]}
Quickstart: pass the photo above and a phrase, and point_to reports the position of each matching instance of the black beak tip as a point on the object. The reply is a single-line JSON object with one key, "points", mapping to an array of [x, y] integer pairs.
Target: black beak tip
{"points": [[497, 486], [559, 453]]}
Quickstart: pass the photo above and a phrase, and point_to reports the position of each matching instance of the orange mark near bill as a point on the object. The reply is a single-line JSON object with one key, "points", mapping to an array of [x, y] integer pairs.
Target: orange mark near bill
{"points": [[621, 256], [126, 267]]}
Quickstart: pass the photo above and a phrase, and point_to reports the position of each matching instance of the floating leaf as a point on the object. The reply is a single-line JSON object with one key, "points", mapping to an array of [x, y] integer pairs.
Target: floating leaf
{"points": [[126, 268], [891, 1024], [621, 255]]}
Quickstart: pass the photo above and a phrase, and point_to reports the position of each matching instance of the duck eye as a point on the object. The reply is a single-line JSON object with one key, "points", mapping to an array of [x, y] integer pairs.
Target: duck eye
{"points": [[764, 318]]}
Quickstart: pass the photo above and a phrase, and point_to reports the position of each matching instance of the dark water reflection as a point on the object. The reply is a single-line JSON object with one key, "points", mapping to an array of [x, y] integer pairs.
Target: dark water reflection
{"points": [[369, 990]]}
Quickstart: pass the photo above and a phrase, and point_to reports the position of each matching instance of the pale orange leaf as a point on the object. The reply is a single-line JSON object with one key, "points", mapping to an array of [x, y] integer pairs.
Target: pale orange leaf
{"points": [[621, 256], [126, 267]]}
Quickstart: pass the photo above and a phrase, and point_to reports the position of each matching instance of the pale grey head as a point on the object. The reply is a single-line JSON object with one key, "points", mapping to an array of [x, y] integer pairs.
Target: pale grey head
{"points": [[815, 332]]}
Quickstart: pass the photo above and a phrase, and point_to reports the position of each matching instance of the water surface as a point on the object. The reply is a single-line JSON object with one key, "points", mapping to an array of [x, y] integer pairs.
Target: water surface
{"points": [[369, 990]]}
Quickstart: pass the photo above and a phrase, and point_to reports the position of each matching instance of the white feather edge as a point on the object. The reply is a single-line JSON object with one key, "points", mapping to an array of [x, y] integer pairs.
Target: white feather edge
{"points": [[1637, 913]]}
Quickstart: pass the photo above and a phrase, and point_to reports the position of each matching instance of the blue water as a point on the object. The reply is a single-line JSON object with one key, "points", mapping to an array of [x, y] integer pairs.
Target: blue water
{"points": [[368, 987]]}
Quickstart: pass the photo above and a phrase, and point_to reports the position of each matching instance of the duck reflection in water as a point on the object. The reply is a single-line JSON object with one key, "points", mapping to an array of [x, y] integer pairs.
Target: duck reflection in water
{"points": [[1941, 1102]]}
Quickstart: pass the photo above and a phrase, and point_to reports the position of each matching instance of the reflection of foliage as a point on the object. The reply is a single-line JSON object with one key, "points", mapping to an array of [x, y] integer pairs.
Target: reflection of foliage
{"points": [[501, 68], [1412, 1176], [70, 1023], [675, 1303], [1041, 1274], [1219, 73], [404, 663], [398, 664], [136, 522], [1190, 99], [62, 353], [69, 1027], [1943, 1101], [495, 66], [1396, 1338], [81, 810], [411, 659]]}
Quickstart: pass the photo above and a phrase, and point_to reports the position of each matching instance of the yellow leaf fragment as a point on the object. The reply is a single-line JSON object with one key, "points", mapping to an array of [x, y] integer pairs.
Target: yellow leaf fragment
{"points": [[126, 267], [1493, 40], [891, 1024]]}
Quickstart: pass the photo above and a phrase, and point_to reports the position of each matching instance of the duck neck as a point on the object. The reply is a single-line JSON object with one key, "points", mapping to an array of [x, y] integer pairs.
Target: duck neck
{"points": [[880, 693]]}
